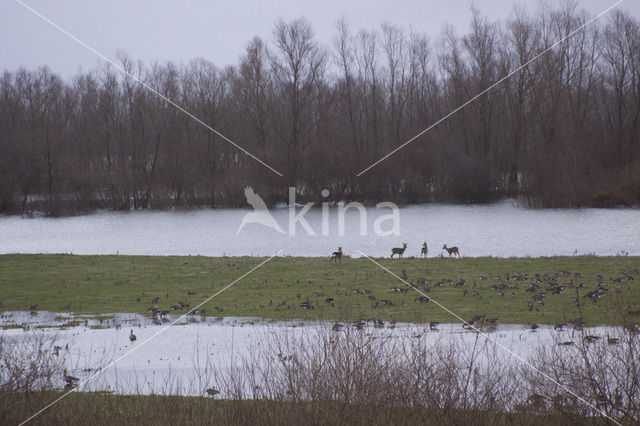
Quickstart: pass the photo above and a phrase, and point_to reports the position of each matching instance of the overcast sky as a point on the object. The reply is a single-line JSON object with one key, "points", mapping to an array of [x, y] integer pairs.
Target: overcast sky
{"points": [[162, 30]]}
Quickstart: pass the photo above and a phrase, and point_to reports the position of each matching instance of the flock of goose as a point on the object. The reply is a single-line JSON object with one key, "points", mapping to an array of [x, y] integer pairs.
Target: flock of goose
{"points": [[539, 284], [158, 316]]}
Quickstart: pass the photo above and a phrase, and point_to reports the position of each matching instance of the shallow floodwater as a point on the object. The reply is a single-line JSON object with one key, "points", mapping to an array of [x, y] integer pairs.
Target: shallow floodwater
{"points": [[501, 229], [186, 358]]}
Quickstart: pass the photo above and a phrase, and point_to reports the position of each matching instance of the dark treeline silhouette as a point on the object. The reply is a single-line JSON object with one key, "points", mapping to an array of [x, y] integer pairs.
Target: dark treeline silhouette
{"points": [[563, 131]]}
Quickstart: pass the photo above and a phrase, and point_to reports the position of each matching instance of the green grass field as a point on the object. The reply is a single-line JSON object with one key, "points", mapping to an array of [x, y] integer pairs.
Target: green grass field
{"points": [[105, 284]]}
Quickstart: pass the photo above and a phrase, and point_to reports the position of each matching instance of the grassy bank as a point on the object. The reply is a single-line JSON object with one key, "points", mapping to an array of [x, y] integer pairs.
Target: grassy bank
{"points": [[102, 284], [105, 409]]}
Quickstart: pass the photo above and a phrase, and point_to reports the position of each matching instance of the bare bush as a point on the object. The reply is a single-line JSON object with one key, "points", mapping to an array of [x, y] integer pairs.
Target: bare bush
{"points": [[603, 371], [318, 375]]}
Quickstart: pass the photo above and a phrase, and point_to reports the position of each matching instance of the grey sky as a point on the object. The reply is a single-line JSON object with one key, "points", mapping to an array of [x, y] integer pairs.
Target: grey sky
{"points": [[161, 30]]}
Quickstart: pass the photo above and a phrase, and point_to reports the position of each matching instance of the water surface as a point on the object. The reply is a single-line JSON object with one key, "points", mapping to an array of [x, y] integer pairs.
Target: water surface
{"points": [[188, 357], [502, 230]]}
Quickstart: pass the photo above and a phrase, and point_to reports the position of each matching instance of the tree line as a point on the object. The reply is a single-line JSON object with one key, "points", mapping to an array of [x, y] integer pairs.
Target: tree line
{"points": [[562, 131]]}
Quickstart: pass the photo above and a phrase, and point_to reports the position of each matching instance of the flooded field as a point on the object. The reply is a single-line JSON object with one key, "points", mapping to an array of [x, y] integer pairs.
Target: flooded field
{"points": [[197, 352]]}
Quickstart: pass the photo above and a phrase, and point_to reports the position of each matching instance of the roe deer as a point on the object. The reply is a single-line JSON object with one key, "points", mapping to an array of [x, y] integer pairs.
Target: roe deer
{"points": [[451, 250], [336, 255], [424, 250], [399, 251]]}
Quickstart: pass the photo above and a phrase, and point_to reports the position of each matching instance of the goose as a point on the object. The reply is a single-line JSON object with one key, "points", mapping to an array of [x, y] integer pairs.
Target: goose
{"points": [[32, 305], [476, 318], [591, 338], [377, 322], [212, 392], [359, 324], [70, 380], [132, 337], [433, 325], [534, 326], [392, 321]]}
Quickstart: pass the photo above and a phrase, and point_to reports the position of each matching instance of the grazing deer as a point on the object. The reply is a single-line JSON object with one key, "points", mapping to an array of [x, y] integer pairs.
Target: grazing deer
{"points": [[337, 255], [451, 250], [399, 251], [424, 250]]}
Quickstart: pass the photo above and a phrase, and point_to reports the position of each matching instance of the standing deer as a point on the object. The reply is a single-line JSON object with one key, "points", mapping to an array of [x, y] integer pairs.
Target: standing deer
{"points": [[399, 251], [337, 255], [451, 250], [424, 250]]}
